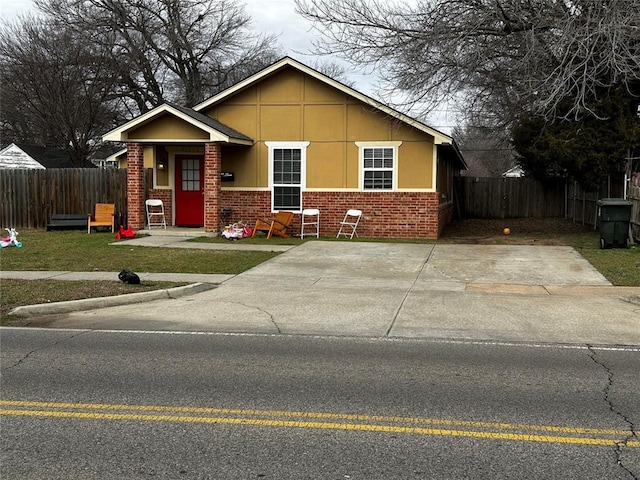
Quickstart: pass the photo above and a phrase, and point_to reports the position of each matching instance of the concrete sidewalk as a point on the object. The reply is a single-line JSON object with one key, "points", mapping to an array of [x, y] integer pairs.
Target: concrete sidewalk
{"points": [[470, 292], [213, 278]]}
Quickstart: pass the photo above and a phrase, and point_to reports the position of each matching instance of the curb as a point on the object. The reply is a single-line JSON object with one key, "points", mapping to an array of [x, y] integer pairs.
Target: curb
{"points": [[114, 301]]}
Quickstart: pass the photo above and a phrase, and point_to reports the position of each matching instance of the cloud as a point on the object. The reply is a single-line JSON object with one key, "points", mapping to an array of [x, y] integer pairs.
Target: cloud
{"points": [[10, 9]]}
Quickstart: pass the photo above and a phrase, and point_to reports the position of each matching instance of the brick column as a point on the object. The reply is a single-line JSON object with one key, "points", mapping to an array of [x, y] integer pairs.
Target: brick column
{"points": [[212, 188], [135, 185]]}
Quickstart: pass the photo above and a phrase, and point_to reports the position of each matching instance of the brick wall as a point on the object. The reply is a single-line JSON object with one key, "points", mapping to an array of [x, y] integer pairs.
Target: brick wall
{"points": [[212, 206], [166, 196], [385, 215], [135, 186], [445, 216]]}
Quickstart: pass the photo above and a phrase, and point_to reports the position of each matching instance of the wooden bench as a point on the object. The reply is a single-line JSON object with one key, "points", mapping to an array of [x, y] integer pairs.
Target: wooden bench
{"points": [[67, 220], [103, 217]]}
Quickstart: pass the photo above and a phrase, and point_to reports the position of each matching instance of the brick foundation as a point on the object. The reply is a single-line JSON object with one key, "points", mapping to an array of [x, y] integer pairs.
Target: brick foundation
{"points": [[384, 215], [445, 215]]}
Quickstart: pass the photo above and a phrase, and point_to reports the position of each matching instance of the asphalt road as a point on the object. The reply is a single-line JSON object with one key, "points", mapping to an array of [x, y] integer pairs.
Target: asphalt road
{"points": [[101, 405]]}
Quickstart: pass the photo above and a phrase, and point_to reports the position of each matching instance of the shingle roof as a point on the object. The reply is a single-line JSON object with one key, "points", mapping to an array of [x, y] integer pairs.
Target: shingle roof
{"points": [[210, 122], [48, 157]]}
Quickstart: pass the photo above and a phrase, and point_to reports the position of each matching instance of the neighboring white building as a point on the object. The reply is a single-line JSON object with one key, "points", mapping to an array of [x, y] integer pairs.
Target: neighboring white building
{"points": [[24, 156]]}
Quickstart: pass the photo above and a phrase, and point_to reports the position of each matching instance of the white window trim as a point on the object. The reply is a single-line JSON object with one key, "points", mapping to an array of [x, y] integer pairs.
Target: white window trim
{"points": [[302, 146], [361, 147]]}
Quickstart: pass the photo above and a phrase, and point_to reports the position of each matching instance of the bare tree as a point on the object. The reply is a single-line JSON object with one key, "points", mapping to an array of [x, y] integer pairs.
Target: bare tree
{"points": [[168, 50], [504, 57], [55, 90], [487, 154], [334, 70]]}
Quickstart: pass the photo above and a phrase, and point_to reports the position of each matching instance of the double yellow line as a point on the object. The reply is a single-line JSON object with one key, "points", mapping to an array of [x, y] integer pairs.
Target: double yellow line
{"points": [[318, 420]]}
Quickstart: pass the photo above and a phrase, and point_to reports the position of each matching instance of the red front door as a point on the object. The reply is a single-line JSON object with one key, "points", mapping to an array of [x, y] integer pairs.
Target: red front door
{"points": [[190, 190]]}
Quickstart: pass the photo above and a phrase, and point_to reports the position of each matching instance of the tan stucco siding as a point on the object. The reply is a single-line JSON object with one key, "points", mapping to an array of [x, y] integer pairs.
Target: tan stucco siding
{"points": [[280, 123], [244, 117], [284, 87], [248, 96], [326, 165], [315, 92], [243, 162], [365, 124], [167, 127], [148, 157], [415, 167], [324, 123], [290, 106]]}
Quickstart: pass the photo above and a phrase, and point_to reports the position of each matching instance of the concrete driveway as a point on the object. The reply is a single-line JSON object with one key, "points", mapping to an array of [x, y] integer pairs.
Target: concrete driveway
{"points": [[502, 293]]}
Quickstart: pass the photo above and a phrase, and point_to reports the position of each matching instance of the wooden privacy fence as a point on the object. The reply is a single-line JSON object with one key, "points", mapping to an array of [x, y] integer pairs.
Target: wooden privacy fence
{"points": [[582, 206], [29, 197], [498, 197], [491, 197]]}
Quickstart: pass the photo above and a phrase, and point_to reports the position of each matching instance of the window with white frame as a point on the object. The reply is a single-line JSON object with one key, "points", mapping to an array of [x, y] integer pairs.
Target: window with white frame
{"points": [[287, 166], [378, 165]]}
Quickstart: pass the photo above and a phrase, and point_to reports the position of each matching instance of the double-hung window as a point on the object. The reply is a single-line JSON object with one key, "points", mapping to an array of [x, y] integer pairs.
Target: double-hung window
{"points": [[378, 165], [287, 166]]}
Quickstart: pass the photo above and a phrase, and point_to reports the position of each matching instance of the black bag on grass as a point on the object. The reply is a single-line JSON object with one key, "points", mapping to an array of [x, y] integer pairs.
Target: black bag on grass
{"points": [[127, 276]]}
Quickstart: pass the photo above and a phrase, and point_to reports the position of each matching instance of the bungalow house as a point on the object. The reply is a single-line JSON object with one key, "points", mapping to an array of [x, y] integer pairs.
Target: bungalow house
{"points": [[289, 138], [25, 156]]}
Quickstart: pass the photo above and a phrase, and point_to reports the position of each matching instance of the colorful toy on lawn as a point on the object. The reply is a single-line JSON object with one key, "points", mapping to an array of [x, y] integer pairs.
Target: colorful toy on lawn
{"points": [[11, 239], [128, 233], [236, 231]]}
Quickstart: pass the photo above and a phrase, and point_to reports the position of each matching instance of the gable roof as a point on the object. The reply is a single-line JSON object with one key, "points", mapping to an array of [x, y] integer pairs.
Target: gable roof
{"points": [[217, 131], [24, 155], [440, 137]]}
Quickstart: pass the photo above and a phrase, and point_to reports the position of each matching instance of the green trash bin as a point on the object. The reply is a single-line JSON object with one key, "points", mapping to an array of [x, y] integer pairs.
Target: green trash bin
{"points": [[615, 215]]}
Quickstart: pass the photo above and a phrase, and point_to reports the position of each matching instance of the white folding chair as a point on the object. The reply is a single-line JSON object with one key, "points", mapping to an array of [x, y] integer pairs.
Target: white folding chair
{"points": [[310, 218], [155, 213], [349, 224]]}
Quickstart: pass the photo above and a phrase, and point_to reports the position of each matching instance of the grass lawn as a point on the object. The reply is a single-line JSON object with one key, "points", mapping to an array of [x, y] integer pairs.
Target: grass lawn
{"points": [[74, 250], [77, 251], [16, 292]]}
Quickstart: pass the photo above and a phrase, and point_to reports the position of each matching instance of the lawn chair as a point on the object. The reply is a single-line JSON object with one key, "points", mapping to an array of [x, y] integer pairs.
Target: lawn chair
{"points": [[310, 218], [277, 226], [349, 224], [155, 213], [103, 217]]}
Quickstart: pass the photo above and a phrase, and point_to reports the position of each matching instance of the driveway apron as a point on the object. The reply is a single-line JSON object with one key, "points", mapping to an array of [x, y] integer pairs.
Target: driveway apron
{"points": [[478, 292]]}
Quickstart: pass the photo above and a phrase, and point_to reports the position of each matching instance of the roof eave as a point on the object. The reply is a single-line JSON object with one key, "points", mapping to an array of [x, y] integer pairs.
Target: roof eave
{"points": [[453, 146], [121, 134]]}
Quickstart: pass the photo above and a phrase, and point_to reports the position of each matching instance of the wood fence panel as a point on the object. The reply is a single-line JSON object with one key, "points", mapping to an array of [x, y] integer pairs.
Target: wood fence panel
{"points": [[489, 197], [28, 198], [634, 196], [498, 197]]}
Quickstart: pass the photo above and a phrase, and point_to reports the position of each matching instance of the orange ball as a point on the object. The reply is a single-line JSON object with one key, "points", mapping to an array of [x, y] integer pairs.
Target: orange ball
{"points": [[506, 231]]}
